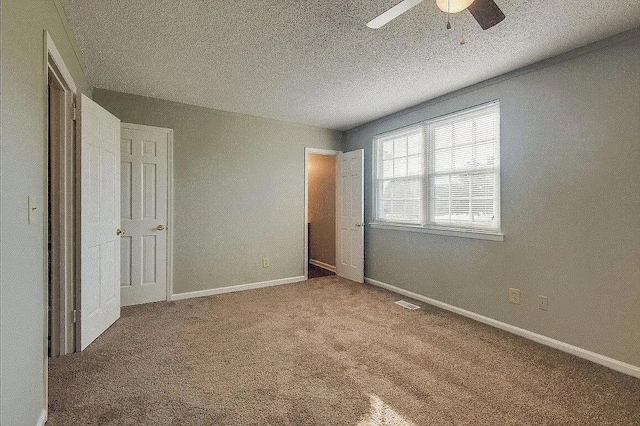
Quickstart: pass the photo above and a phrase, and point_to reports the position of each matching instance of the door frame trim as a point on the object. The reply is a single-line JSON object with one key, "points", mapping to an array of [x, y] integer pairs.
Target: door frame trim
{"points": [[52, 61], [307, 152], [170, 187]]}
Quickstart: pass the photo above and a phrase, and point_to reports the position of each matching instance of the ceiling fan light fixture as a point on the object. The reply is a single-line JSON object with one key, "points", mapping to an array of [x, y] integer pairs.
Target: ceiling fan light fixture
{"points": [[453, 6]]}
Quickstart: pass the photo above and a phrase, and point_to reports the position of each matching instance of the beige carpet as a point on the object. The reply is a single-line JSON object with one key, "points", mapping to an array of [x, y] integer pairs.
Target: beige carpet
{"points": [[325, 352]]}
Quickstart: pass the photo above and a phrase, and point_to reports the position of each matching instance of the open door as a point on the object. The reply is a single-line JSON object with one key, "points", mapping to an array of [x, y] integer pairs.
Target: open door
{"points": [[350, 212], [99, 290], [144, 211]]}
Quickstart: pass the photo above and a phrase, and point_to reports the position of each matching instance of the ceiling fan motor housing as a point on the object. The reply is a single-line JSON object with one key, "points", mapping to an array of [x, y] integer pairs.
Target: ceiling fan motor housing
{"points": [[453, 6]]}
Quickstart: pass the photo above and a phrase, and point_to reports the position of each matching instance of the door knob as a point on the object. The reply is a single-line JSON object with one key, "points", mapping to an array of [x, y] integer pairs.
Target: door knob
{"points": [[161, 227], [359, 224], [120, 231]]}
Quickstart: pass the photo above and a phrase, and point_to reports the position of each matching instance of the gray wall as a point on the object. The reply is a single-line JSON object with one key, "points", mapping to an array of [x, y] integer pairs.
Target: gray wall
{"points": [[23, 352], [239, 190], [570, 204]]}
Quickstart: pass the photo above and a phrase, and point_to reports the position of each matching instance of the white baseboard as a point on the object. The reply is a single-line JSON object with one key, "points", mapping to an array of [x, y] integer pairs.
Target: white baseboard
{"points": [[611, 363], [42, 420], [234, 288], [322, 265]]}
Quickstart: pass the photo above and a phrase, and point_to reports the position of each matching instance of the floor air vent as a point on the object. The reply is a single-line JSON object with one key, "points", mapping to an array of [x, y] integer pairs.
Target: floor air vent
{"points": [[407, 305]]}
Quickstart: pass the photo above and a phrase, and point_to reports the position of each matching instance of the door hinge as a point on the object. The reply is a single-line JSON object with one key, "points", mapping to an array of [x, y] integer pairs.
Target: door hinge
{"points": [[75, 113], [74, 316]]}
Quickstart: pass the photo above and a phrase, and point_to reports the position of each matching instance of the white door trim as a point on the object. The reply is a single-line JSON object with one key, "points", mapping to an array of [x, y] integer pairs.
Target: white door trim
{"points": [[170, 221], [307, 152], [52, 60], [52, 50], [66, 329]]}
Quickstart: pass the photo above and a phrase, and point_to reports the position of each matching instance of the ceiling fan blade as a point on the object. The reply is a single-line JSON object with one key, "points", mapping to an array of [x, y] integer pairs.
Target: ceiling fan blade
{"points": [[486, 12], [392, 13]]}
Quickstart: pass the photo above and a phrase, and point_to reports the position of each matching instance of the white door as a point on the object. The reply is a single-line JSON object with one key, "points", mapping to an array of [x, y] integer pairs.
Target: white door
{"points": [[99, 136], [350, 223], [144, 177]]}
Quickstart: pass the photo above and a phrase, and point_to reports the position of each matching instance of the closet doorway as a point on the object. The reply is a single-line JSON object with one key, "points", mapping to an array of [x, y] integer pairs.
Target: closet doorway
{"points": [[320, 250]]}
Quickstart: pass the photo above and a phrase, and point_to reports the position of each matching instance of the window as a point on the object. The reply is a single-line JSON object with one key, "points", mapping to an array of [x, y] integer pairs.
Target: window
{"points": [[400, 176], [441, 174]]}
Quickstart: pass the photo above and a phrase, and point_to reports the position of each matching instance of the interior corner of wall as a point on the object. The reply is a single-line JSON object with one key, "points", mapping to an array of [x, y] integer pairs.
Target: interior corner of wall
{"points": [[74, 43]]}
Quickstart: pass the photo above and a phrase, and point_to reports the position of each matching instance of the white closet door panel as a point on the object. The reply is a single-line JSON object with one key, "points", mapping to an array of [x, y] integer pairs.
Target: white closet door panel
{"points": [[99, 139], [350, 224], [145, 153]]}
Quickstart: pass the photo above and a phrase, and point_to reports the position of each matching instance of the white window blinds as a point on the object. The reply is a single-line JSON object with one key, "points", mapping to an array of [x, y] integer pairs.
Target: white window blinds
{"points": [[464, 168], [443, 173], [400, 172]]}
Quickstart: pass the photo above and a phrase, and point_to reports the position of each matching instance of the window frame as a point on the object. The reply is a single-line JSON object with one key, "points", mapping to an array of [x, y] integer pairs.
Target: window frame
{"points": [[426, 223], [378, 166]]}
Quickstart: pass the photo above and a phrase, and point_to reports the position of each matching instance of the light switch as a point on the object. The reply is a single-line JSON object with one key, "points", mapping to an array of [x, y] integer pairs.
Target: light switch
{"points": [[33, 210]]}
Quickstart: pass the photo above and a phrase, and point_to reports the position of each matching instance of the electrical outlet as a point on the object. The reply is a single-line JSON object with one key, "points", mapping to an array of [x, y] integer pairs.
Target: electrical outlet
{"points": [[266, 262], [514, 296], [543, 303]]}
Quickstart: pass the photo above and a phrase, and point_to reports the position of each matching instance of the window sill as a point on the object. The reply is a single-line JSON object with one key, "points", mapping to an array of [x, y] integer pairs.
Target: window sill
{"points": [[466, 233]]}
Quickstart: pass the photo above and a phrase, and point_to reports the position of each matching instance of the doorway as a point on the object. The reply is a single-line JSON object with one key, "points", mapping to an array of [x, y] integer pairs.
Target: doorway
{"points": [[320, 212], [347, 213], [60, 229]]}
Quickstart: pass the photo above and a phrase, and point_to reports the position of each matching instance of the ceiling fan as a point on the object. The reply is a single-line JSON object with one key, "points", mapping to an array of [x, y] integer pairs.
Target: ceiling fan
{"points": [[486, 12]]}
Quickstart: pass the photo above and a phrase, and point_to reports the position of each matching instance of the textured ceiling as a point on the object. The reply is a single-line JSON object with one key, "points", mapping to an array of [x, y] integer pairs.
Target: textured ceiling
{"points": [[315, 62]]}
